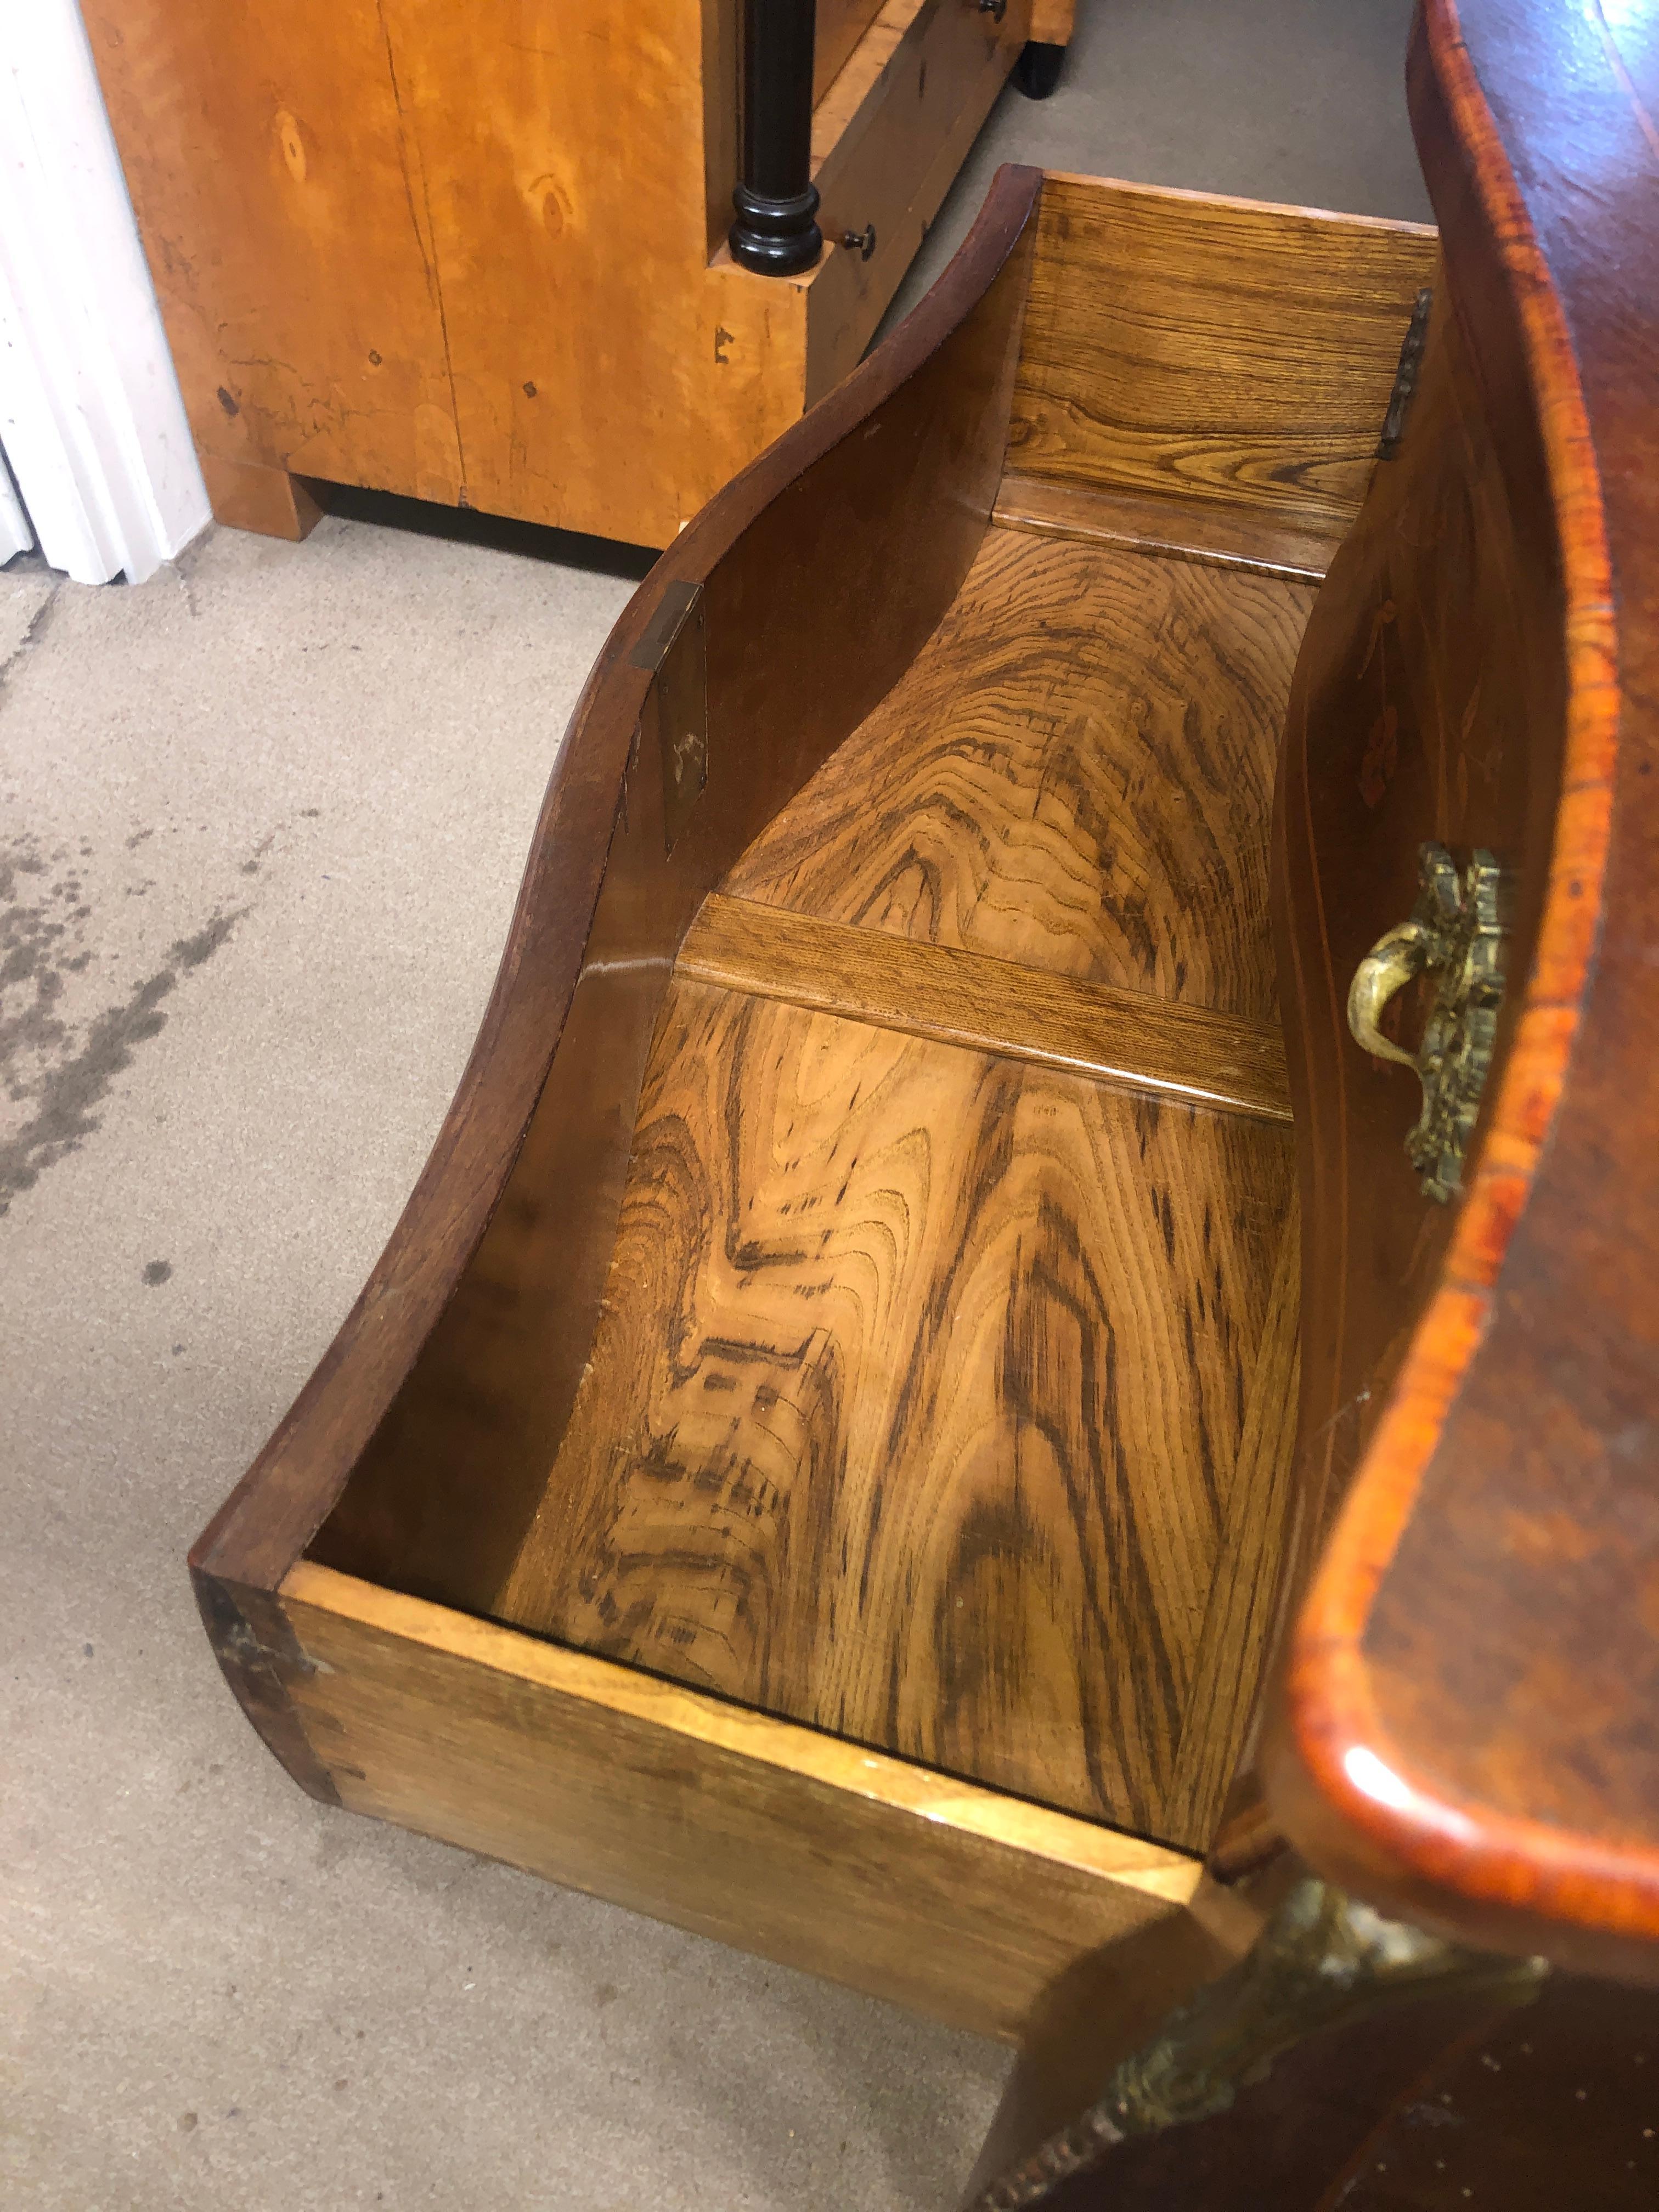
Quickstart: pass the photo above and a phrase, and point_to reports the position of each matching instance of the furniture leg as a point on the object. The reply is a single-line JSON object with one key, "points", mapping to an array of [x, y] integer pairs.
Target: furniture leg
{"points": [[1324, 1960], [247, 496]]}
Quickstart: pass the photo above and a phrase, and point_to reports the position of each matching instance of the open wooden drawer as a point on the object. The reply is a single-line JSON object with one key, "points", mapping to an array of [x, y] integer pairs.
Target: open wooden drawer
{"points": [[812, 1461]]}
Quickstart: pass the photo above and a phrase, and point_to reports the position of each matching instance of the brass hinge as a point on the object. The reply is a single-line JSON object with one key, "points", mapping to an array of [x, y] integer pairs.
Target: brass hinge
{"points": [[1405, 377]]}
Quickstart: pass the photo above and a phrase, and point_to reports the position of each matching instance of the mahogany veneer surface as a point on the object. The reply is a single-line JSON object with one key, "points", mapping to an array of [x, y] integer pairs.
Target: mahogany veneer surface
{"points": [[928, 1366]]}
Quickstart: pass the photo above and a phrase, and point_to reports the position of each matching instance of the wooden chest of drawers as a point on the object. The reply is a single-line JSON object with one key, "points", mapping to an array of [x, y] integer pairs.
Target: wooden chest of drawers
{"points": [[820, 1459], [878, 1587]]}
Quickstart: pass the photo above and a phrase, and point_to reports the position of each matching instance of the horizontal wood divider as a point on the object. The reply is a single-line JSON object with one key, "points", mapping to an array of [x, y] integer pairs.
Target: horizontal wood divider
{"points": [[1207, 530], [963, 998]]}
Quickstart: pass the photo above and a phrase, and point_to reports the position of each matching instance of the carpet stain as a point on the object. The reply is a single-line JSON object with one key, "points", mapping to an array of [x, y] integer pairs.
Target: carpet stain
{"points": [[157, 1271], [61, 1071]]}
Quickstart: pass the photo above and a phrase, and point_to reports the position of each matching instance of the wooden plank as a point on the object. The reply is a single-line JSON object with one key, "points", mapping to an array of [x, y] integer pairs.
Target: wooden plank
{"points": [[1212, 349], [997, 1006], [840, 25], [963, 1903], [1179, 529], [1249, 1589], [888, 140], [918, 1373], [1076, 773]]}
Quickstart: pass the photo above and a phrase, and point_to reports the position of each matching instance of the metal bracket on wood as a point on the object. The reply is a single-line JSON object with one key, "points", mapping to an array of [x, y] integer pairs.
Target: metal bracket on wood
{"points": [[1324, 1957], [1405, 377]]}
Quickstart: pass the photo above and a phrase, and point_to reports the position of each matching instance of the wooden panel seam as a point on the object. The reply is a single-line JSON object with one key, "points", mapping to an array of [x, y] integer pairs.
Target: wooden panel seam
{"points": [[1253, 540], [1125, 1038]]}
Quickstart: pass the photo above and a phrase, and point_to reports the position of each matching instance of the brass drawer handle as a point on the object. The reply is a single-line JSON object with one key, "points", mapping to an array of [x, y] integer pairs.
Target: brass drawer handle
{"points": [[1455, 934]]}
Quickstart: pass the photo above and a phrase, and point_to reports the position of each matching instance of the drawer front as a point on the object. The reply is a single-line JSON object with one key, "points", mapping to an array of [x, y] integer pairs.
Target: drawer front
{"points": [[1466, 1730], [1426, 713]]}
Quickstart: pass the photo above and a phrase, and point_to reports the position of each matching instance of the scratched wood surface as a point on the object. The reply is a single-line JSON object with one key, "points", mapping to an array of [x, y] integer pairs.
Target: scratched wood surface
{"points": [[1076, 772], [939, 1381]]}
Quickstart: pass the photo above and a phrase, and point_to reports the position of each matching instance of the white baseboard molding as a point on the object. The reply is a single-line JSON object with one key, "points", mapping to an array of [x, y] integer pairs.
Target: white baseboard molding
{"points": [[15, 536], [90, 417]]}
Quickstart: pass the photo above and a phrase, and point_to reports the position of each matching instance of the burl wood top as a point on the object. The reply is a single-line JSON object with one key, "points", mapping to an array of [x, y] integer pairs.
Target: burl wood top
{"points": [[948, 1346]]}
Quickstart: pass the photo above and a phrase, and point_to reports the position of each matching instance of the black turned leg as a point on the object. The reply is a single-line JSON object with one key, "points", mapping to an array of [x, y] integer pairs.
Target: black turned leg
{"points": [[1037, 70], [776, 201]]}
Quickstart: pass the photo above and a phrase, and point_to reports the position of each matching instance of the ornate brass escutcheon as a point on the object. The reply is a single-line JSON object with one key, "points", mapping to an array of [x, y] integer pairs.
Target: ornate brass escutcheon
{"points": [[1455, 934]]}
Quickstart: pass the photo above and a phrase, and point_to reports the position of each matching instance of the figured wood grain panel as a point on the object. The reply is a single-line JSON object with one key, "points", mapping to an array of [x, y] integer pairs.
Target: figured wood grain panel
{"points": [[963, 998], [290, 242], [1075, 773], [1212, 349], [1231, 537], [907, 1884], [605, 377], [1250, 1583], [920, 1376]]}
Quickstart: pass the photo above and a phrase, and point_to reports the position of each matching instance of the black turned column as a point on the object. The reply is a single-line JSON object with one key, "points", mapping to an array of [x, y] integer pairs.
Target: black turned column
{"points": [[776, 200]]}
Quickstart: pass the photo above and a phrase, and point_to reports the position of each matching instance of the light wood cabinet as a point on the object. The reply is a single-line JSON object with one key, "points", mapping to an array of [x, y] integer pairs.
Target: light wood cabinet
{"points": [[479, 255]]}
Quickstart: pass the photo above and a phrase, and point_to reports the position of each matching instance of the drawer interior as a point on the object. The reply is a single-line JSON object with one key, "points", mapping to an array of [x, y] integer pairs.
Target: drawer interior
{"points": [[938, 1348], [944, 1389], [948, 1343]]}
